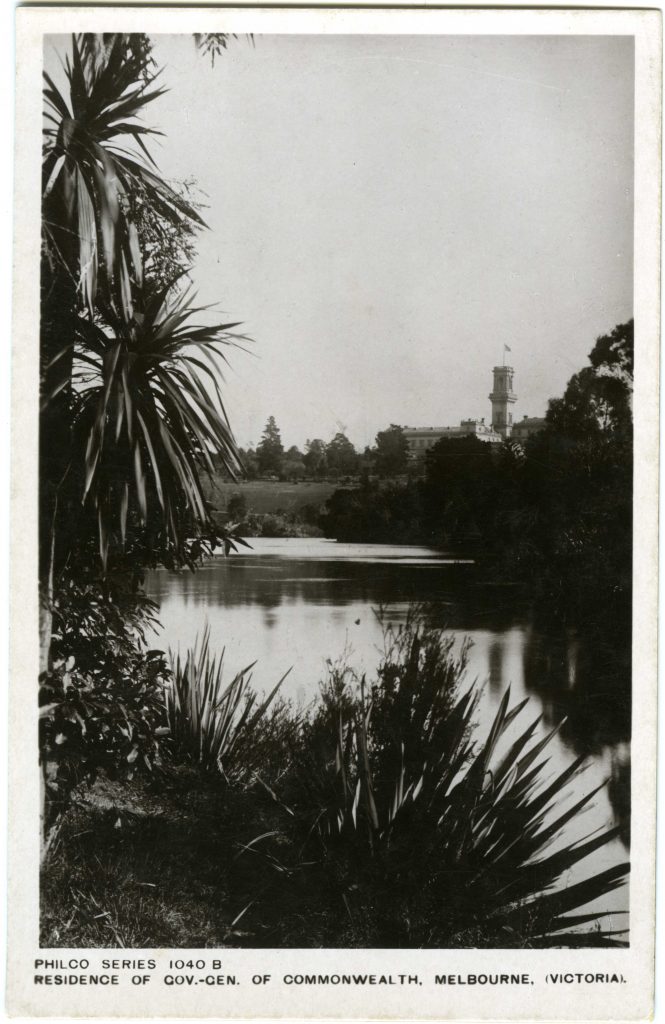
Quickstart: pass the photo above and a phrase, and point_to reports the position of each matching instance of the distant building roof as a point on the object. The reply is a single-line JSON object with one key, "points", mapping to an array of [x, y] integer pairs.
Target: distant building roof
{"points": [[422, 438], [499, 426], [430, 430]]}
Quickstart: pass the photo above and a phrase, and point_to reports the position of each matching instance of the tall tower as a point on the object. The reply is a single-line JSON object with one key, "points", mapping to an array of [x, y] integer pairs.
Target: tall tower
{"points": [[502, 397]]}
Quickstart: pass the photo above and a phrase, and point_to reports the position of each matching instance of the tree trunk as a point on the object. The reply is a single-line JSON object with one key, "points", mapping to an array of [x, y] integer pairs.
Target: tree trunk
{"points": [[47, 558], [58, 303], [45, 628]]}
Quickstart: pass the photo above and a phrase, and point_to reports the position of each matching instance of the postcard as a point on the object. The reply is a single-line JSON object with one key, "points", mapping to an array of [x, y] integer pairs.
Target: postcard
{"points": [[334, 502]]}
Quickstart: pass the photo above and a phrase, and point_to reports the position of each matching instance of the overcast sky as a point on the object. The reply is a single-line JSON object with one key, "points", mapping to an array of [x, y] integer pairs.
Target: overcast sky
{"points": [[387, 212]]}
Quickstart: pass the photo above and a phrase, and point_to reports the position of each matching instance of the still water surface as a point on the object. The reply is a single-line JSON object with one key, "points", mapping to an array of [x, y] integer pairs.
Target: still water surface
{"points": [[295, 603]]}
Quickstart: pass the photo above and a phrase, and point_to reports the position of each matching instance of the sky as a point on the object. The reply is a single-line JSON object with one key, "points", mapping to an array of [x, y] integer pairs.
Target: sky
{"points": [[386, 213]]}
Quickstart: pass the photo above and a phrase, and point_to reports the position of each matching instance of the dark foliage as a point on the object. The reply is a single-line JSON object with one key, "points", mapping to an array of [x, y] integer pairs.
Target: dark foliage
{"points": [[426, 837], [341, 456], [378, 821], [554, 513], [168, 248], [101, 703], [375, 512], [270, 450], [391, 454], [131, 408], [315, 457]]}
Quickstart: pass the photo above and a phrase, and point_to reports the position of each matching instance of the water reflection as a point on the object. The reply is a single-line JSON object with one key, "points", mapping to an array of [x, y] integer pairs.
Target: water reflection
{"points": [[618, 790], [270, 580], [586, 682], [495, 659], [293, 604]]}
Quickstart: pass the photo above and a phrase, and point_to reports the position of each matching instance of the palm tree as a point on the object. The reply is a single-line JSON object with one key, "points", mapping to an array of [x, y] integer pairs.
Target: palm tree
{"points": [[149, 416], [131, 408], [90, 168]]}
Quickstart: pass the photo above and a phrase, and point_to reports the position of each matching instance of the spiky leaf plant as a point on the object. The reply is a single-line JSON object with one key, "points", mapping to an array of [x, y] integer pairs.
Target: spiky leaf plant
{"points": [[148, 417], [96, 303], [210, 721], [95, 156], [433, 839]]}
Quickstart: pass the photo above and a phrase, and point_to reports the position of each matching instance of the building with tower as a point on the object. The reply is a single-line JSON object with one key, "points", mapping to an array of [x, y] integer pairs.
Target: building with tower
{"points": [[500, 427], [502, 397]]}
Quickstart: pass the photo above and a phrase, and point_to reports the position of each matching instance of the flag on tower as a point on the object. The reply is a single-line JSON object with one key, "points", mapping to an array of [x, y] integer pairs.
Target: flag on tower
{"points": [[507, 348]]}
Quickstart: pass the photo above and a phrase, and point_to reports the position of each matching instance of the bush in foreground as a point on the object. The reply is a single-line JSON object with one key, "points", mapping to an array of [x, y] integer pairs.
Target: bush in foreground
{"points": [[378, 820], [427, 837], [210, 722]]}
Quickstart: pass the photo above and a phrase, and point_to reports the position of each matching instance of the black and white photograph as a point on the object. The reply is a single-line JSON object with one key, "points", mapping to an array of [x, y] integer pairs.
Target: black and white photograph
{"points": [[338, 343]]}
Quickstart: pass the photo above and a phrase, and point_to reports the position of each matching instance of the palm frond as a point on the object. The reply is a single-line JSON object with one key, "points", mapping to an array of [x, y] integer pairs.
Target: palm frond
{"points": [[88, 176], [147, 425]]}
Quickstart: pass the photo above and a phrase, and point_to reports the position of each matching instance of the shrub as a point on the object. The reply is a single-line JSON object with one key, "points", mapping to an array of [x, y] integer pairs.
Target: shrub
{"points": [[101, 701], [376, 820], [426, 837], [236, 508]]}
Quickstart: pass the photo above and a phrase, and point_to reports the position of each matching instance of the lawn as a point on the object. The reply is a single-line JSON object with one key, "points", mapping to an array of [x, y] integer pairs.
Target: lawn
{"points": [[266, 496]]}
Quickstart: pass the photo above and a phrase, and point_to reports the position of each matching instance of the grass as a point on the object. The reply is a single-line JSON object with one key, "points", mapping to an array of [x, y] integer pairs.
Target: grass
{"points": [[151, 871], [376, 821], [265, 496]]}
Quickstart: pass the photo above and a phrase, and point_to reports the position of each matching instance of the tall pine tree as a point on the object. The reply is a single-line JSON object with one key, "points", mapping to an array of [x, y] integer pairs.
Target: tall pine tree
{"points": [[270, 450]]}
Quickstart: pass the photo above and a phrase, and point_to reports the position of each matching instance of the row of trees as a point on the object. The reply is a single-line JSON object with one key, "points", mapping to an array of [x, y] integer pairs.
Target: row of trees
{"points": [[326, 459], [555, 512]]}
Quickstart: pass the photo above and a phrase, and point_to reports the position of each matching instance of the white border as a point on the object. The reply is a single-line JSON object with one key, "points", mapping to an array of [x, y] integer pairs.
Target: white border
{"points": [[631, 1001]]}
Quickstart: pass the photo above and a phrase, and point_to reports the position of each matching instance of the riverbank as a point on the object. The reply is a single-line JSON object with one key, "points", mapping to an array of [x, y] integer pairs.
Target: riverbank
{"points": [[154, 863], [262, 825], [292, 603]]}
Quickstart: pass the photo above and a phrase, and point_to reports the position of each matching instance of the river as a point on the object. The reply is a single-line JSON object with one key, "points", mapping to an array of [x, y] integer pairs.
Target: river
{"points": [[293, 604]]}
